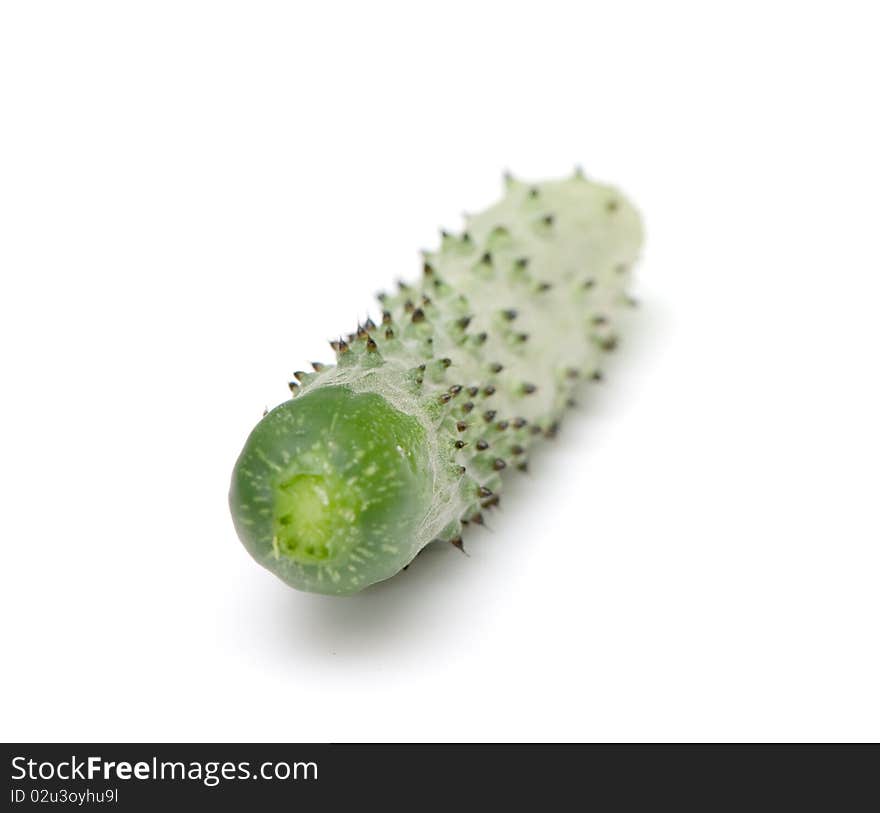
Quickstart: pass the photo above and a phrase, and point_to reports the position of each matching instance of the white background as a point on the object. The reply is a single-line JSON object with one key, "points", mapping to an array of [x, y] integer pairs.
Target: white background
{"points": [[194, 197]]}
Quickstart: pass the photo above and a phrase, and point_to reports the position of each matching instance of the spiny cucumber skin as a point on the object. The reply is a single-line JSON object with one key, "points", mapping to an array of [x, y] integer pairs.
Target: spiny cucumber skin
{"points": [[404, 440]]}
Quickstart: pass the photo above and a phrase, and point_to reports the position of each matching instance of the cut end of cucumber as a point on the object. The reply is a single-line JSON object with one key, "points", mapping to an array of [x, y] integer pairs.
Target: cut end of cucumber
{"points": [[330, 490]]}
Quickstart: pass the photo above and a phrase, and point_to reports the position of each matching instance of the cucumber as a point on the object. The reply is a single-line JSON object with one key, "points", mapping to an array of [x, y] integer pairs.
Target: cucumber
{"points": [[408, 437]]}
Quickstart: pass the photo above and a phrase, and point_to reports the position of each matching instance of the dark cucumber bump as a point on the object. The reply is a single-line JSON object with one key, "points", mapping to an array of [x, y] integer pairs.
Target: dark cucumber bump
{"points": [[407, 438]]}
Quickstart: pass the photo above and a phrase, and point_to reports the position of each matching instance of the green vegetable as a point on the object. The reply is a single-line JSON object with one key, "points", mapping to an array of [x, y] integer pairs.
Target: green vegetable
{"points": [[405, 439]]}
